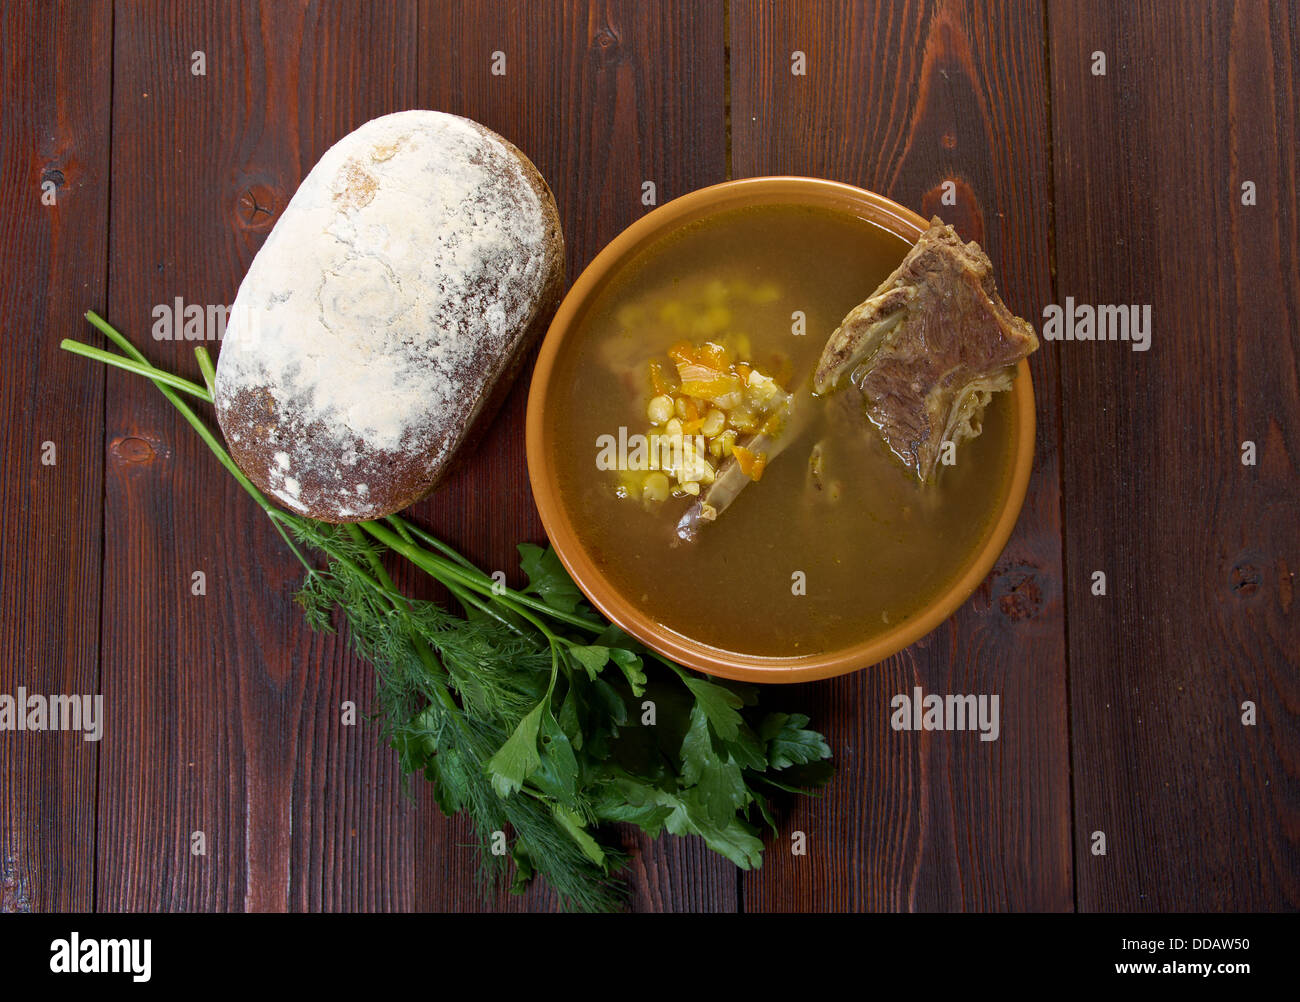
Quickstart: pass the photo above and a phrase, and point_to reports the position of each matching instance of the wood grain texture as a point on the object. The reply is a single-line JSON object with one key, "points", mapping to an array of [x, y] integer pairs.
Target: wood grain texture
{"points": [[56, 122], [1200, 551], [601, 97], [225, 709], [899, 98]]}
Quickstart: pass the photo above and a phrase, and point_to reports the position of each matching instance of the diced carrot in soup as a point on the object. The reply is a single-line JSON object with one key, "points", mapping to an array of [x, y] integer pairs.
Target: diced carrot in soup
{"points": [[683, 353], [713, 355]]}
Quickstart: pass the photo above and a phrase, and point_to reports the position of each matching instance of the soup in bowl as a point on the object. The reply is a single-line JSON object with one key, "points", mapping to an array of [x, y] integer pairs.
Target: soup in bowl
{"points": [[689, 342]]}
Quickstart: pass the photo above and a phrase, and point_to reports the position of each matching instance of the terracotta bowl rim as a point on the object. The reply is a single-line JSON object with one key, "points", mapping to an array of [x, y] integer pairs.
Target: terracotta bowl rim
{"points": [[603, 594]]}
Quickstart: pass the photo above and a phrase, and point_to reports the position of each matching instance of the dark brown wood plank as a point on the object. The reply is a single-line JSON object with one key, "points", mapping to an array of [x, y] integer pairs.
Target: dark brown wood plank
{"points": [[898, 98], [55, 94], [1199, 811], [225, 709], [601, 97]]}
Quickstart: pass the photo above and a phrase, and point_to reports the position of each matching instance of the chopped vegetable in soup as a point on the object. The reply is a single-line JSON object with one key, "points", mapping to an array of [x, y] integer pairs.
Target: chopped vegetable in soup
{"points": [[696, 417]]}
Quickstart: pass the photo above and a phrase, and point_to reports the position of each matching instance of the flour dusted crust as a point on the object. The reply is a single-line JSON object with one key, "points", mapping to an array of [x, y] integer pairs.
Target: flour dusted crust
{"points": [[386, 313]]}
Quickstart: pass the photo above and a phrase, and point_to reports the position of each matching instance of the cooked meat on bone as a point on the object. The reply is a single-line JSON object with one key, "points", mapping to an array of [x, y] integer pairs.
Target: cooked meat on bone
{"points": [[929, 349]]}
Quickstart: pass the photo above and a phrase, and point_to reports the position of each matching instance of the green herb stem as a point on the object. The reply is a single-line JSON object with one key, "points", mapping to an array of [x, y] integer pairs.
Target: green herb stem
{"points": [[433, 564], [208, 369], [142, 369], [450, 572], [407, 529], [165, 382]]}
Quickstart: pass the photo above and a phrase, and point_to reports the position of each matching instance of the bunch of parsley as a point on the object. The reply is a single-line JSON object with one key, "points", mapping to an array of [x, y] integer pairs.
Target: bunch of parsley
{"points": [[527, 710]]}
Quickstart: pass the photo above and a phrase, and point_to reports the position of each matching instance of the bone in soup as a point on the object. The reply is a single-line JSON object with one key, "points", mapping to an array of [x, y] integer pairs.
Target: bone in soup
{"points": [[831, 542]]}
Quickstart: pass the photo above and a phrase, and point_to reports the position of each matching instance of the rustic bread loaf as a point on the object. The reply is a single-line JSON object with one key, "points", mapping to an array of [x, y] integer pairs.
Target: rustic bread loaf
{"points": [[386, 313]]}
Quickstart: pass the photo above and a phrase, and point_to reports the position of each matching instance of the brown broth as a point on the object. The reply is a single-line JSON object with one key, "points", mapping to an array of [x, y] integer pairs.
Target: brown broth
{"points": [[871, 559]]}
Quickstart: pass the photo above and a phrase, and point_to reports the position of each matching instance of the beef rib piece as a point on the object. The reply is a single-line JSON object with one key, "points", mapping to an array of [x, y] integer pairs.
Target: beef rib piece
{"points": [[928, 350]]}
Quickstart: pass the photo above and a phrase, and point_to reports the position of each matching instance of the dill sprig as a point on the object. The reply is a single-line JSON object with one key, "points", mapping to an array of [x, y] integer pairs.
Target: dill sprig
{"points": [[526, 709]]}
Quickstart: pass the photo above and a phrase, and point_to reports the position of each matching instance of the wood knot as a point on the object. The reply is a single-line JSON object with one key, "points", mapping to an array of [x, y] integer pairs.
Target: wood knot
{"points": [[1246, 576], [132, 451], [55, 175], [1018, 591], [606, 45], [256, 207]]}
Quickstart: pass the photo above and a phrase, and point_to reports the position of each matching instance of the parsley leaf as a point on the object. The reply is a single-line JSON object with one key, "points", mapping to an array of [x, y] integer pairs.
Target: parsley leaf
{"points": [[788, 743], [717, 778], [719, 704], [557, 772], [632, 667], [518, 758], [573, 825], [737, 840], [547, 577], [593, 658]]}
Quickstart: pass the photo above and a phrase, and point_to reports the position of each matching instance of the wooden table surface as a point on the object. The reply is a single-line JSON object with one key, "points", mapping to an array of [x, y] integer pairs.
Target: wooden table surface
{"points": [[1120, 713]]}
